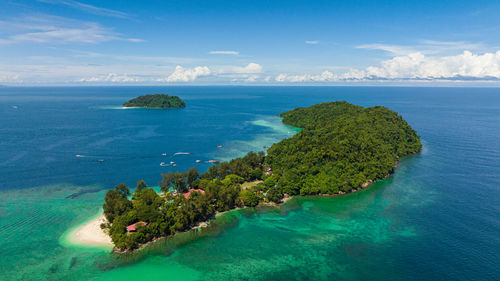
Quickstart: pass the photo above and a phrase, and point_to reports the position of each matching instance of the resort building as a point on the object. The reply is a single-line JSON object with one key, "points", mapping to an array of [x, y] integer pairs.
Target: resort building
{"points": [[133, 227], [188, 194]]}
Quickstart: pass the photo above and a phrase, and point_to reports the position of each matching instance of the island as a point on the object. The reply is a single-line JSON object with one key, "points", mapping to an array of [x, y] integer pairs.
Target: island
{"points": [[340, 149], [156, 101]]}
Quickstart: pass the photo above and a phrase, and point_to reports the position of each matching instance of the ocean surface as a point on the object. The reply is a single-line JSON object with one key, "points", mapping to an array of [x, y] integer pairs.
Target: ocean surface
{"points": [[436, 218]]}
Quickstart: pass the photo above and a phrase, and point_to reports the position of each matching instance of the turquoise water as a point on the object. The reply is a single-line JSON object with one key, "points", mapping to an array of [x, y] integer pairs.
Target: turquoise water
{"points": [[438, 217]]}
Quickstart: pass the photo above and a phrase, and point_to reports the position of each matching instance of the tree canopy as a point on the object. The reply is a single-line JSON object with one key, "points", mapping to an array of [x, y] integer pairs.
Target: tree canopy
{"points": [[156, 101], [340, 147]]}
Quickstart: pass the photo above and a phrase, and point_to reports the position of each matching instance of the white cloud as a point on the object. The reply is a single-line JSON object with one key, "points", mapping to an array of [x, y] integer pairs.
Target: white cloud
{"points": [[249, 73], [57, 30], [249, 68], [312, 42], [88, 8], [325, 76], [64, 70], [10, 78], [416, 67], [135, 40], [252, 78], [186, 74], [466, 66], [451, 45], [113, 77], [419, 67], [234, 53], [393, 49], [424, 46]]}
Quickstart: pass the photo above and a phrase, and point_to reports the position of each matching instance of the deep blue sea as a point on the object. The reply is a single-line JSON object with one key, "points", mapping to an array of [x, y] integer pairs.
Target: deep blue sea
{"points": [[436, 218]]}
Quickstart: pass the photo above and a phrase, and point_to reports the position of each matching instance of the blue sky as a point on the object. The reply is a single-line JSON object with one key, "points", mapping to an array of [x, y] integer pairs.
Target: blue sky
{"points": [[92, 42]]}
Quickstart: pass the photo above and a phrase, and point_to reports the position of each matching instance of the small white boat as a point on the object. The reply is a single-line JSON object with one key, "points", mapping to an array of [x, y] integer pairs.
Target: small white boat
{"points": [[164, 154], [174, 165], [78, 155], [172, 162], [198, 161], [162, 164]]}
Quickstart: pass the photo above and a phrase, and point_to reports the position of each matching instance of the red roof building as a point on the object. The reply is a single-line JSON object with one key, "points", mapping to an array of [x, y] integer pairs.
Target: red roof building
{"points": [[133, 227], [187, 194]]}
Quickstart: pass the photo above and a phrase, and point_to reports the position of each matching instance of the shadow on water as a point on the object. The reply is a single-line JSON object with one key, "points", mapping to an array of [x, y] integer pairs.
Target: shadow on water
{"points": [[84, 191]]}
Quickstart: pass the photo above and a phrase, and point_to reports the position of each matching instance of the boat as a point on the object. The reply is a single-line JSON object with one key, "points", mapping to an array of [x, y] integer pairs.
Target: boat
{"points": [[78, 155], [214, 161], [162, 164], [219, 146], [164, 154], [175, 165], [100, 160], [172, 162], [181, 153], [198, 161]]}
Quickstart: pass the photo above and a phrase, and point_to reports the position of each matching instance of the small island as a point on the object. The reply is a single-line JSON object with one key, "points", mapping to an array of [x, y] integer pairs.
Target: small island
{"points": [[341, 148], [156, 101]]}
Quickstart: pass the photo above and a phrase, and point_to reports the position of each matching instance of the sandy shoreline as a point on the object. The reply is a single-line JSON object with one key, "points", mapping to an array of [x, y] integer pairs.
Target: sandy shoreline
{"points": [[90, 234]]}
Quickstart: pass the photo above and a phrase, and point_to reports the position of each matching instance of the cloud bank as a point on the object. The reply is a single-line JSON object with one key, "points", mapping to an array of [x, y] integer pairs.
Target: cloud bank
{"points": [[416, 67], [113, 78], [413, 67], [154, 74]]}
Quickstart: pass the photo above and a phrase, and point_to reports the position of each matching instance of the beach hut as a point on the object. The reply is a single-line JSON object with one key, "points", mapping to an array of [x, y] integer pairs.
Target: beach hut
{"points": [[133, 227]]}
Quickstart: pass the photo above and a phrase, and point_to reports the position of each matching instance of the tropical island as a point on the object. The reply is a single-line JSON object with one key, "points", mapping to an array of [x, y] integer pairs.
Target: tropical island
{"points": [[341, 148], [156, 101]]}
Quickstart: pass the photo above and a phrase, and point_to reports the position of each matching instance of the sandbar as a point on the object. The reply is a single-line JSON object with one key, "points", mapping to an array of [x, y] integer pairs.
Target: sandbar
{"points": [[90, 234]]}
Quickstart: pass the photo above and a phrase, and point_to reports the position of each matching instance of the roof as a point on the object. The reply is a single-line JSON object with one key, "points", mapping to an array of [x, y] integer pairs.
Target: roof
{"points": [[187, 194], [132, 227]]}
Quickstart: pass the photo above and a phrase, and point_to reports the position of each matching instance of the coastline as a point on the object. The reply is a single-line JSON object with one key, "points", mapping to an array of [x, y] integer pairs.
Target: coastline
{"points": [[88, 234]]}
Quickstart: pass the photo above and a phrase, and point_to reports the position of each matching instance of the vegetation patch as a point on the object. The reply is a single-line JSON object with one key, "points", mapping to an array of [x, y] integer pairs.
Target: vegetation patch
{"points": [[156, 101]]}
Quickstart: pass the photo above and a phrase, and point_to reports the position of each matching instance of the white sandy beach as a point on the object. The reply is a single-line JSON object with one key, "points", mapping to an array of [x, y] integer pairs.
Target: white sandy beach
{"points": [[91, 234]]}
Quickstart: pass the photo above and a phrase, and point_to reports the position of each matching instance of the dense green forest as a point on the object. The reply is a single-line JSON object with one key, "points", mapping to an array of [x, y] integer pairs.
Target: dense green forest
{"points": [[156, 101], [341, 147]]}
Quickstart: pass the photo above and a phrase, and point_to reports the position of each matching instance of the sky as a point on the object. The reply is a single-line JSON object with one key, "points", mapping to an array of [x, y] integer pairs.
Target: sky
{"points": [[240, 42]]}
